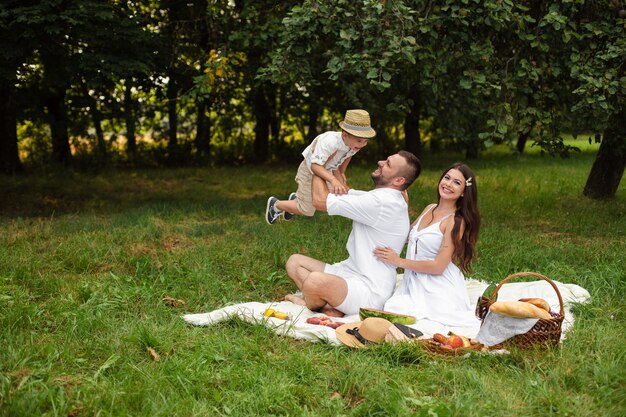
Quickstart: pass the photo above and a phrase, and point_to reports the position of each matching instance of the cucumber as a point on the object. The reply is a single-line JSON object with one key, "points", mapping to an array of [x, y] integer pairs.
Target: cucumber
{"points": [[387, 315]]}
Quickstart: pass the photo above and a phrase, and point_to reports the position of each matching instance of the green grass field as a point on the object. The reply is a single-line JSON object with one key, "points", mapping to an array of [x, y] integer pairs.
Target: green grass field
{"points": [[85, 262]]}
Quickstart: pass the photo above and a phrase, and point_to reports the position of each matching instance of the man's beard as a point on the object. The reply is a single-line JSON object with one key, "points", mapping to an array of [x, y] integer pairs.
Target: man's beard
{"points": [[379, 180]]}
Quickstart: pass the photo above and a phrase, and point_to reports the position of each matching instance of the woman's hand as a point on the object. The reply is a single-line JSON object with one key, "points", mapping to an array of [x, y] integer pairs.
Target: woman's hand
{"points": [[387, 255]]}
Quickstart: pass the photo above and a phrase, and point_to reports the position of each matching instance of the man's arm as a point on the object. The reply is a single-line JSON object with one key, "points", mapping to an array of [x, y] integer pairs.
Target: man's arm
{"points": [[320, 193]]}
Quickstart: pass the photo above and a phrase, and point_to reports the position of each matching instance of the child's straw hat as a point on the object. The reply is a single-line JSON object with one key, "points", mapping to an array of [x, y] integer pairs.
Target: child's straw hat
{"points": [[357, 123]]}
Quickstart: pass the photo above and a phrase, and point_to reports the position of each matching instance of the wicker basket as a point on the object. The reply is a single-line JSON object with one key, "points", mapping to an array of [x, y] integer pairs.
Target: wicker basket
{"points": [[545, 333]]}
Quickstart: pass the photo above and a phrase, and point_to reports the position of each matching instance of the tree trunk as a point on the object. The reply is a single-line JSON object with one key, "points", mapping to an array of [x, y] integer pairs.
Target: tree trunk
{"points": [[274, 118], [129, 119], [472, 148], [608, 167], [385, 147], [57, 114], [172, 145], [203, 131], [9, 156], [96, 117], [412, 139], [312, 117], [261, 111], [521, 142]]}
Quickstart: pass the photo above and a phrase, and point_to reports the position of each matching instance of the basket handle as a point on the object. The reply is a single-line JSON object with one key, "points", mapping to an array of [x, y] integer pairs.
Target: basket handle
{"points": [[532, 274]]}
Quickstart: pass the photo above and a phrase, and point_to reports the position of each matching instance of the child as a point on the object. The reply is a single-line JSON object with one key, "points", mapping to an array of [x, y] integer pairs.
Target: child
{"points": [[433, 287], [327, 157]]}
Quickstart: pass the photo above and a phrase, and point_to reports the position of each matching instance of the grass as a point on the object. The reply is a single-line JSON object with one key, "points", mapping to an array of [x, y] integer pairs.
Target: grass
{"points": [[85, 262]]}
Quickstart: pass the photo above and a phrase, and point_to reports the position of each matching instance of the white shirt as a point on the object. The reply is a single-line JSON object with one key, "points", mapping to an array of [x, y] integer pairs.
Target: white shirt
{"points": [[380, 218], [328, 150]]}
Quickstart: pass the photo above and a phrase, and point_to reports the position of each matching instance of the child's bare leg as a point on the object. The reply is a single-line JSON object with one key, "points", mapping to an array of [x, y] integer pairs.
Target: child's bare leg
{"points": [[295, 299], [290, 206]]}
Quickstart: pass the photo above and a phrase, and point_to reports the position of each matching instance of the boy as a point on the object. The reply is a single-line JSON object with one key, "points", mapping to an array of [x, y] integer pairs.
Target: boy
{"points": [[327, 157]]}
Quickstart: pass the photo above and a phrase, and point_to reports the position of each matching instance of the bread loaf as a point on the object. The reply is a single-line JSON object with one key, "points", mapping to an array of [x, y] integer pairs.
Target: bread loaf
{"points": [[519, 309], [539, 302]]}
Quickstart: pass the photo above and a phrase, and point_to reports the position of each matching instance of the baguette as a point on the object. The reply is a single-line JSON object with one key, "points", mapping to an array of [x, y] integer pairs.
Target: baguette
{"points": [[539, 302], [519, 309]]}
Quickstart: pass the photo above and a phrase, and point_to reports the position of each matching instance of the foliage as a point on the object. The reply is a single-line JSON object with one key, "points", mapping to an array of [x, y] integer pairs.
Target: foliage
{"points": [[261, 76], [486, 71]]}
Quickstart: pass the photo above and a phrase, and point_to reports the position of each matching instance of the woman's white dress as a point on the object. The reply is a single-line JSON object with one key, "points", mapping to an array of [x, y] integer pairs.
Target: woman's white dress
{"points": [[441, 298]]}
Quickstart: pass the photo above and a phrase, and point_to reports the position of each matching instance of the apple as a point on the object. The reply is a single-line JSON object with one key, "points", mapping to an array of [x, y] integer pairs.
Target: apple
{"points": [[455, 341]]}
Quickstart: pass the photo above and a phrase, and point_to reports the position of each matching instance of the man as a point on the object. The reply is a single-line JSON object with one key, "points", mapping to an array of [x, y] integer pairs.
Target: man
{"points": [[380, 218]]}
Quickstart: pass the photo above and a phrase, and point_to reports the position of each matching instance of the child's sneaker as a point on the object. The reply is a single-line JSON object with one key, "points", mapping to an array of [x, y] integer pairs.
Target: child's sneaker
{"points": [[287, 215], [271, 212]]}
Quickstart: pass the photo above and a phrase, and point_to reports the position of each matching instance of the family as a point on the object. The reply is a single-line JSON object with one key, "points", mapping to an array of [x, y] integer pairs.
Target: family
{"points": [[440, 243]]}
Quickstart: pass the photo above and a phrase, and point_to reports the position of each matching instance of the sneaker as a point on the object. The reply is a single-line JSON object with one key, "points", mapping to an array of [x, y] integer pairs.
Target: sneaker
{"points": [[271, 212], [286, 215]]}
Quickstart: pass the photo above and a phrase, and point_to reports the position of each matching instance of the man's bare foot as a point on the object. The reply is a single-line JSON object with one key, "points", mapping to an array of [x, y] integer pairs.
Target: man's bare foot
{"points": [[331, 312], [295, 299]]}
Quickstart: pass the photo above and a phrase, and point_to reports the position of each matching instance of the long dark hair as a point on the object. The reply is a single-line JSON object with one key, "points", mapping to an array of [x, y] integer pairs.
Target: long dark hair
{"points": [[467, 212]]}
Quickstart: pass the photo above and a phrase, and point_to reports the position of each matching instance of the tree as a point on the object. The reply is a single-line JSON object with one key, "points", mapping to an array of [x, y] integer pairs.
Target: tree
{"points": [[599, 66], [354, 54], [608, 167], [255, 35], [15, 47]]}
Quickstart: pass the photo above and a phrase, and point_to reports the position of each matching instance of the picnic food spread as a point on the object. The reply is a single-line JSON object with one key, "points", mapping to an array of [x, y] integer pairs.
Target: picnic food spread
{"points": [[324, 321], [454, 342], [539, 302], [270, 312], [520, 309]]}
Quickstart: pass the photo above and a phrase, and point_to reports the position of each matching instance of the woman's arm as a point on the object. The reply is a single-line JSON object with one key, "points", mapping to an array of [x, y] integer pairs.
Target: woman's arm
{"points": [[434, 267]]}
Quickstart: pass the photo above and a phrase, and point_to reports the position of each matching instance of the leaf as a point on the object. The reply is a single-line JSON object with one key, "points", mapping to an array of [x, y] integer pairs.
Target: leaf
{"points": [[106, 365], [153, 354], [173, 302]]}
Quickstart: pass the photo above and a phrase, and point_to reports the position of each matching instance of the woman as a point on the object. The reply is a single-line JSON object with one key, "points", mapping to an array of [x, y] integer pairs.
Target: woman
{"points": [[433, 286]]}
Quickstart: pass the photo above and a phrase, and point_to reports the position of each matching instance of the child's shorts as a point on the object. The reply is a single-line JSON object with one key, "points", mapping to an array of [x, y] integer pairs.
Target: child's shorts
{"points": [[304, 193]]}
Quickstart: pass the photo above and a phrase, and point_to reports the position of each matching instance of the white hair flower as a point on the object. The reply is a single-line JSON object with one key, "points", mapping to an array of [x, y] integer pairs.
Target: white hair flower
{"points": [[468, 182]]}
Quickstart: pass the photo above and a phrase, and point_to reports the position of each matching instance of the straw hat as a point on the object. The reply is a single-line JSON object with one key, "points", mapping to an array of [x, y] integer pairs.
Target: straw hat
{"points": [[357, 123], [361, 333]]}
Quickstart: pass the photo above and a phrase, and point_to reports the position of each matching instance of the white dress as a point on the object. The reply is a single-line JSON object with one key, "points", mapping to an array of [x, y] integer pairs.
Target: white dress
{"points": [[440, 298]]}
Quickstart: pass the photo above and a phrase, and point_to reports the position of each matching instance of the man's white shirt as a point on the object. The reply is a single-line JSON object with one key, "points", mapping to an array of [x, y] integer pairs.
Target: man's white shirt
{"points": [[380, 219]]}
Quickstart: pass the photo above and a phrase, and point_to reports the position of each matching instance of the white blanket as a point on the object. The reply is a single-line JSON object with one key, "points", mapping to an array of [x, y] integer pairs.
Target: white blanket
{"points": [[297, 327]]}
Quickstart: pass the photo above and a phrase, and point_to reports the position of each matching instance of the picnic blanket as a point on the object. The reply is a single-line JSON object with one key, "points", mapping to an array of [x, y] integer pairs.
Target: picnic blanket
{"points": [[297, 327]]}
